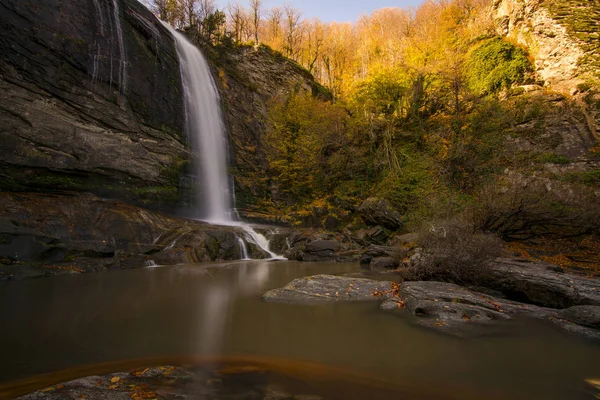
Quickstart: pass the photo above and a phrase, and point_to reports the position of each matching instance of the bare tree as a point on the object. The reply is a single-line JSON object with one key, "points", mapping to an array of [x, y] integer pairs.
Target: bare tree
{"points": [[293, 33], [256, 12], [190, 16], [237, 21]]}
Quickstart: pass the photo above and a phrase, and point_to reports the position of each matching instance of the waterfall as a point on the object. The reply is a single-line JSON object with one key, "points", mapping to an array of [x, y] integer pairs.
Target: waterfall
{"points": [[121, 44], [206, 133], [243, 249]]}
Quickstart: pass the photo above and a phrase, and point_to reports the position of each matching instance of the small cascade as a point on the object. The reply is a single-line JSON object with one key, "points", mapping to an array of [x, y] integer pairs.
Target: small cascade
{"points": [[206, 133], [121, 44], [260, 240], [100, 16], [151, 264], [243, 249]]}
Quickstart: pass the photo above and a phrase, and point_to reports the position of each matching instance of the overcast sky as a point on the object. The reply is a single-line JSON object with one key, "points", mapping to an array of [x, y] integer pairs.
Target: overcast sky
{"points": [[334, 10]]}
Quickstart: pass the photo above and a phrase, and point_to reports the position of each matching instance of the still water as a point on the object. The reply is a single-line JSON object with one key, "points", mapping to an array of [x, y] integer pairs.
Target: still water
{"points": [[214, 310]]}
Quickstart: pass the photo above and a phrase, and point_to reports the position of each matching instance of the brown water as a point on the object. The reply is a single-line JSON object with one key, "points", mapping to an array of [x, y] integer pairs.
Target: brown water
{"points": [[215, 311]]}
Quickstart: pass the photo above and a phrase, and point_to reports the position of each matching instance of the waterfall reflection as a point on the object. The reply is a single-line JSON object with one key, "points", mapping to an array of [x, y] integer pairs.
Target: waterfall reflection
{"points": [[216, 301]]}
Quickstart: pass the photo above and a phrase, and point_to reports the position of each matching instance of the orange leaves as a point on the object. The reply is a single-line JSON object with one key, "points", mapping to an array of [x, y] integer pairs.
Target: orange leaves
{"points": [[393, 292]]}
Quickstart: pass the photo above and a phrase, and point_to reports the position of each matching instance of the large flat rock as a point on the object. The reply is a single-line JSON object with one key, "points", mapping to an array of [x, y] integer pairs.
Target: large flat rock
{"points": [[543, 284], [462, 312], [326, 288]]}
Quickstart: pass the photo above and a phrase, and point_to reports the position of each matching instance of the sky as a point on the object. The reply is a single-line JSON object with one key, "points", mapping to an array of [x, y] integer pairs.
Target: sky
{"points": [[334, 10]]}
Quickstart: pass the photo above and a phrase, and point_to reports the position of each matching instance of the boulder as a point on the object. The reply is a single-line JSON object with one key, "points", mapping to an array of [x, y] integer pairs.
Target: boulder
{"points": [[588, 316], [375, 211], [327, 288], [19, 243], [323, 250], [541, 284], [462, 312], [373, 236], [383, 263]]}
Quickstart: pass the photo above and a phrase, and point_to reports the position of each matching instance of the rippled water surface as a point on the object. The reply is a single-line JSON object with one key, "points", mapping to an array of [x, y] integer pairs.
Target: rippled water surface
{"points": [[214, 310]]}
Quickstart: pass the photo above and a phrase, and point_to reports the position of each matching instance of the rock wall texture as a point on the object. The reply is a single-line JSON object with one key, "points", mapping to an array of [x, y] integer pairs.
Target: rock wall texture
{"points": [[91, 100], [559, 36]]}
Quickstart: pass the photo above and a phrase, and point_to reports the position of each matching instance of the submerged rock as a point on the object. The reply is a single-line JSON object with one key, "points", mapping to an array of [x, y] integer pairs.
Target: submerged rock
{"points": [[326, 288], [226, 382]]}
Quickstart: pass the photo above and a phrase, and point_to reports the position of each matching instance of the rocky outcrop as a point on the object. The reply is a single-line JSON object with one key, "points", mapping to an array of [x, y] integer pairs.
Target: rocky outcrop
{"points": [[558, 53], [91, 101], [542, 284], [461, 312], [326, 288], [43, 235]]}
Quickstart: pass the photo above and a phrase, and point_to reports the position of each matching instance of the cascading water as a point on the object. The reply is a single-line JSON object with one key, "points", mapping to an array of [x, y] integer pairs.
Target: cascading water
{"points": [[121, 44], [206, 132]]}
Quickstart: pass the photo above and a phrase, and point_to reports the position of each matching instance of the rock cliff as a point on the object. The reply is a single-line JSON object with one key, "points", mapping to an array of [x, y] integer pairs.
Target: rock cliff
{"points": [[561, 36], [91, 100]]}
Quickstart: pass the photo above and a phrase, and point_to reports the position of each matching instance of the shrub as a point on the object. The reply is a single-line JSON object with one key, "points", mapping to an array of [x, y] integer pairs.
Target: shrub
{"points": [[452, 250], [551, 158]]}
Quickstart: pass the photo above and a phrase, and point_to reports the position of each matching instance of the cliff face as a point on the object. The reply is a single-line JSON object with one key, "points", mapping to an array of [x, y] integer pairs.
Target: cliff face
{"points": [[561, 35], [91, 100]]}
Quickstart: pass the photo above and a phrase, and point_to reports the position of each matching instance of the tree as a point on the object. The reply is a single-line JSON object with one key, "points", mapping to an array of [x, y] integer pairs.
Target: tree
{"points": [[293, 33], [256, 12]]}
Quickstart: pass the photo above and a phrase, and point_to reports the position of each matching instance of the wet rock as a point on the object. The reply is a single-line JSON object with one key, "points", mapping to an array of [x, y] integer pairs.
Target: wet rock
{"points": [[84, 233], [383, 251], [382, 263], [19, 243], [588, 316], [325, 288], [539, 283], [225, 382], [323, 250], [375, 211], [461, 312], [83, 110]]}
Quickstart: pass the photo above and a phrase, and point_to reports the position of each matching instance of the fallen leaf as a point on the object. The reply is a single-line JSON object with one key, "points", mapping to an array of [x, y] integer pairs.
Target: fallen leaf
{"points": [[115, 379]]}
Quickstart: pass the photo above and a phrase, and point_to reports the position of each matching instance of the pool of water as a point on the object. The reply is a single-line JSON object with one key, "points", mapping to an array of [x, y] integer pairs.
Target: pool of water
{"points": [[215, 311]]}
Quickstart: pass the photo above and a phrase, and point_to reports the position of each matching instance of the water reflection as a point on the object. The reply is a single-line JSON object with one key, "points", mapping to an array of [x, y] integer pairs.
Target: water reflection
{"points": [[205, 310], [217, 299]]}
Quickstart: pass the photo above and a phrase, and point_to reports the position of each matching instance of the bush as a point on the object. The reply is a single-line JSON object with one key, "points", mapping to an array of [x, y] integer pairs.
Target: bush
{"points": [[551, 158], [451, 250], [497, 64]]}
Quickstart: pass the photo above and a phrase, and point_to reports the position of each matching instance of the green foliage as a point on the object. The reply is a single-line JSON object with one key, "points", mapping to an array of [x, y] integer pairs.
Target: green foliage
{"points": [[304, 143], [497, 64], [407, 189], [551, 158], [590, 178]]}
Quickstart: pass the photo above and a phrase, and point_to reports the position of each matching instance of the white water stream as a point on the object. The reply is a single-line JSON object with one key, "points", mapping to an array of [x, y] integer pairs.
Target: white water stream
{"points": [[206, 132]]}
